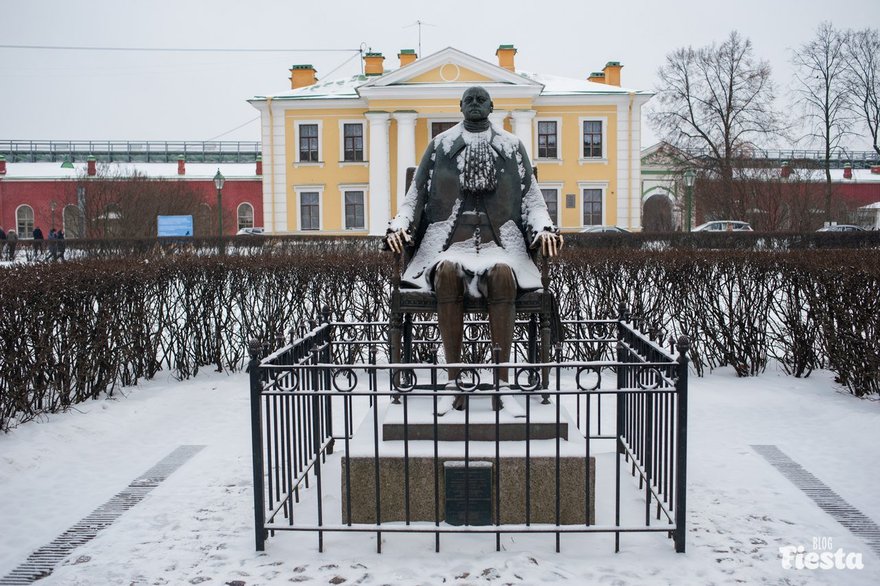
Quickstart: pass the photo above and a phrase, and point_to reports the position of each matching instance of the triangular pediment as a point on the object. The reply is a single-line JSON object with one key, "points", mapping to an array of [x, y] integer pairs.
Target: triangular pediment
{"points": [[453, 68], [448, 73]]}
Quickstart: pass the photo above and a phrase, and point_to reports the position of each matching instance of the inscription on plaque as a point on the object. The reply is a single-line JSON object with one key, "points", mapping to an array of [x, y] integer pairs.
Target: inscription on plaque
{"points": [[468, 493]]}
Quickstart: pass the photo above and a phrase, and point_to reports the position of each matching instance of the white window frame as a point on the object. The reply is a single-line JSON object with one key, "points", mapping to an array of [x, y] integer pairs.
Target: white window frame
{"points": [[365, 188], [557, 185], [238, 215], [603, 186], [342, 162], [558, 158], [30, 233], [592, 160], [296, 126], [299, 190]]}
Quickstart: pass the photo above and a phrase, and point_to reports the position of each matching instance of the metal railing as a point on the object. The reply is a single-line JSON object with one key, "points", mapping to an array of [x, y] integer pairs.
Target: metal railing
{"points": [[34, 151], [308, 396], [802, 157]]}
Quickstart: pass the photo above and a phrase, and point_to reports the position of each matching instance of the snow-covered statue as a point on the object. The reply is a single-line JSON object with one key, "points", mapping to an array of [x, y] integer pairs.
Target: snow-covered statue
{"points": [[473, 213]]}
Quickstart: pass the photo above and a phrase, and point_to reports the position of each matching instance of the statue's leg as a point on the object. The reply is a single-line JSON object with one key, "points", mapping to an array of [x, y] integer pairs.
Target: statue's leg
{"points": [[449, 289], [501, 297]]}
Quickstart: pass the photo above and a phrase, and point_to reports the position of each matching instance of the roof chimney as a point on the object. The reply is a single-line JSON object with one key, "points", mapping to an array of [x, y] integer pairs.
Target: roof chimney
{"points": [[2, 165], [612, 72], [302, 76], [181, 165], [875, 169], [597, 77], [91, 166], [407, 56], [847, 171], [259, 170], [786, 170], [505, 55], [373, 64]]}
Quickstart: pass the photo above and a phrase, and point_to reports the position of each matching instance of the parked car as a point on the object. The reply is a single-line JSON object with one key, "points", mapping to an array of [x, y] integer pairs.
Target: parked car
{"points": [[841, 228], [251, 232], [603, 229], [724, 226]]}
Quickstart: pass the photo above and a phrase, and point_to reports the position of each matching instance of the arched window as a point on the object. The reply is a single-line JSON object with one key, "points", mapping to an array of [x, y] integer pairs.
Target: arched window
{"points": [[245, 216], [73, 224], [24, 218]]}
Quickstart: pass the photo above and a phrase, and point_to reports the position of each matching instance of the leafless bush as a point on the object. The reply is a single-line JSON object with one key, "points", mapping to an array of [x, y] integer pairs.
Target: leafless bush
{"points": [[73, 331]]}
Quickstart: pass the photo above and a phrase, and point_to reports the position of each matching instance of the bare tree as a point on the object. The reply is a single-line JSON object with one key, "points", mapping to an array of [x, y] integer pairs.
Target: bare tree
{"points": [[821, 92], [863, 68], [717, 100], [122, 204]]}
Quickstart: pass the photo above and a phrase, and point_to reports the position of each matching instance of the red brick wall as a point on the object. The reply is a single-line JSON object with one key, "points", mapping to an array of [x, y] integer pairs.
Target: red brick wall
{"points": [[39, 194]]}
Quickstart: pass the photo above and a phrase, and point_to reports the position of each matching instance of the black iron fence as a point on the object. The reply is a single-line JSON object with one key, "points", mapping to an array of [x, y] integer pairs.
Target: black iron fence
{"points": [[345, 442]]}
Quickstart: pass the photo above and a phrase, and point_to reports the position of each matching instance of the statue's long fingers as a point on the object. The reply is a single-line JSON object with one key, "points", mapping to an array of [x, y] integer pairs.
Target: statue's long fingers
{"points": [[543, 246], [561, 241], [552, 246], [392, 242]]}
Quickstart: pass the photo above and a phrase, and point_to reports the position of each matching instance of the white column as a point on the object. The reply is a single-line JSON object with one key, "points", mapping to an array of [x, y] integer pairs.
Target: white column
{"points": [[522, 127], [497, 118], [406, 149], [380, 173]]}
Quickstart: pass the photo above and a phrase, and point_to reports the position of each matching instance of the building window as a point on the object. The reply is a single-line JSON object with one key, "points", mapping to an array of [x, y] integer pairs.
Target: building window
{"points": [[72, 221], [592, 139], [353, 142], [354, 210], [547, 140], [550, 196], [438, 127], [308, 143], [309, 210], [245, 216], [24, 218], [592, 207]]}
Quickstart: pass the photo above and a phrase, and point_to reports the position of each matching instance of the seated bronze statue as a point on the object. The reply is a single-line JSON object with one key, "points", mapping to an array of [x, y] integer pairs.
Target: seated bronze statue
{"points": [[473, 213]]}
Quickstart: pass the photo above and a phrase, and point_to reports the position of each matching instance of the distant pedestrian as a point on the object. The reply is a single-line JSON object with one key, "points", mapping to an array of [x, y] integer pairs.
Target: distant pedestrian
{"points": [[2, 241], [53, 244], [11, 242], [38, 241], [62, 245]]}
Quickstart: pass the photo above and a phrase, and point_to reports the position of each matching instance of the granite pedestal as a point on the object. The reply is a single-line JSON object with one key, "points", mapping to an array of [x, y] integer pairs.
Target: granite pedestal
{"points": [[425, 476]]}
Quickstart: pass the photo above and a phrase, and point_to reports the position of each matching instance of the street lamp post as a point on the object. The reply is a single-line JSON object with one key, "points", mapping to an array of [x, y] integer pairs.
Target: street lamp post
{"points": [[689, 178], [219, 180]]}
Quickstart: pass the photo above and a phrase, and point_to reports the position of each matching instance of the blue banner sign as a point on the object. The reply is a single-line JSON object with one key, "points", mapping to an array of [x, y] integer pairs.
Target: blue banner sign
{"points": [[175, 226]]}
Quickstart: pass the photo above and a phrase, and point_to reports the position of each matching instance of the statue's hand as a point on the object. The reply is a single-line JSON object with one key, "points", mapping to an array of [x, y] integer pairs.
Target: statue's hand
{"points": [[549, 242], [397, 240]]}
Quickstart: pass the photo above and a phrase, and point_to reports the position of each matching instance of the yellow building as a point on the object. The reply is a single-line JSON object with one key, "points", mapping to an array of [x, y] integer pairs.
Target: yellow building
{"points": [[335, 152]]}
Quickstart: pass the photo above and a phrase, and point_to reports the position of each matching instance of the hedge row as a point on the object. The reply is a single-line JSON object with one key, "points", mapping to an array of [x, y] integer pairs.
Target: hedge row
{"points": [[82, 249], [73, 331]]}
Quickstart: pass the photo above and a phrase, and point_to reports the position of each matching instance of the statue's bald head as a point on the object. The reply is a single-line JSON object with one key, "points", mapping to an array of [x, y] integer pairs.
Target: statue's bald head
{"points": [[476, 105]]}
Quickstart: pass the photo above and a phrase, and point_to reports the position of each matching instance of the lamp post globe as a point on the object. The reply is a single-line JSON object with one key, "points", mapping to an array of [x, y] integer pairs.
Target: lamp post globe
{"points": [[689, 179], [219, 180]]}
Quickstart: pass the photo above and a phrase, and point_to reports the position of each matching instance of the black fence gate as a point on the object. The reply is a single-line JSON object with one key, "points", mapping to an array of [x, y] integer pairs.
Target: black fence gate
{"points": [[333, 422]]}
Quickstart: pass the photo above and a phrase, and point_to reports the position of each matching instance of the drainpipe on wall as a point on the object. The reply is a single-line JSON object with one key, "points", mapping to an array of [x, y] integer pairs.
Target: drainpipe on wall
{"points": [[271, 163], [629, 163]]}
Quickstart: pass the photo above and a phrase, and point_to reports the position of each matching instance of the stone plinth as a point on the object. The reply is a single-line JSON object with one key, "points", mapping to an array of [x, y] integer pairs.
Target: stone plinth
{"points": [[425, 472]]}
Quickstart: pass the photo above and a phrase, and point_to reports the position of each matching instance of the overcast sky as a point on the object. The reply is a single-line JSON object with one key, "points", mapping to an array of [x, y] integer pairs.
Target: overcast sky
{"points": [[77, 94]]}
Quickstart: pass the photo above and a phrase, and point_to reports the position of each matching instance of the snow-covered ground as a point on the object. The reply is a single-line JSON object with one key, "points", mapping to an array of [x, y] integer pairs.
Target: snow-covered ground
{"points": [[197, 526]]}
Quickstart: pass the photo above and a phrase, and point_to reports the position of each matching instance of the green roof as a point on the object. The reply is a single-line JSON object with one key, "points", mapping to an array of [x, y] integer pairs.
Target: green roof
{"points": [[407, 52], [309, 66]]}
